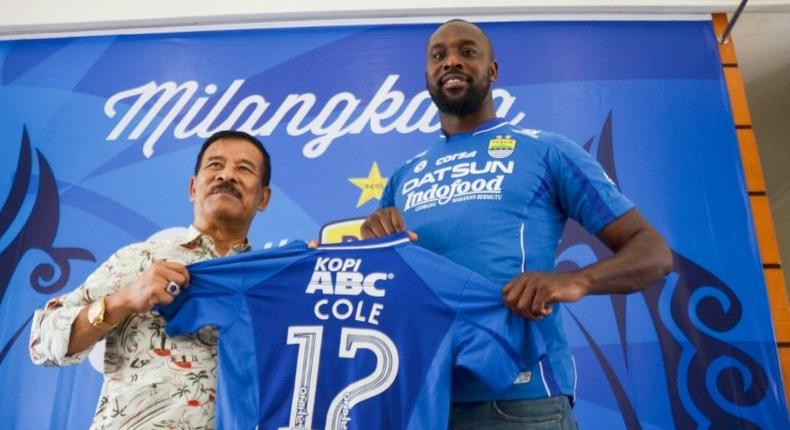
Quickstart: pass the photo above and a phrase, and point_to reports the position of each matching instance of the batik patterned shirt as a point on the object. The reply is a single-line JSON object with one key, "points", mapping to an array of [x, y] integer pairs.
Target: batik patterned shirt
{"points": [[151, 380]]}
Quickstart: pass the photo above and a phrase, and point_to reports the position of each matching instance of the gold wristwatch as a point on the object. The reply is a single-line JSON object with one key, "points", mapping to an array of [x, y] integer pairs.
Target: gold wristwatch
{"points": [[96, 313]]}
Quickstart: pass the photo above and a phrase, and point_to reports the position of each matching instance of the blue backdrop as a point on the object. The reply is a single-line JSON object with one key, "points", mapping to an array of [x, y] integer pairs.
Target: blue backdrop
{"points": [[99, 134]]}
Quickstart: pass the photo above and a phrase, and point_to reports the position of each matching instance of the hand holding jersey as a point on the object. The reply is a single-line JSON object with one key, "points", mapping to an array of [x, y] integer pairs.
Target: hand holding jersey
{"points": [[153, 287], [384, 222], [530, 294]]}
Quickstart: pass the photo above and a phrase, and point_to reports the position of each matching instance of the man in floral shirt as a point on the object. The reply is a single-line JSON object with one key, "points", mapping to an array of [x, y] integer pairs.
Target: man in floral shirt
{"points": [[152, 380]]}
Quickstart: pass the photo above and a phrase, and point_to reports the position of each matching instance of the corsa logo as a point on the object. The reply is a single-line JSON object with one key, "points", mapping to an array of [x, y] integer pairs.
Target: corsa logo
{"points": [[342, 277]]}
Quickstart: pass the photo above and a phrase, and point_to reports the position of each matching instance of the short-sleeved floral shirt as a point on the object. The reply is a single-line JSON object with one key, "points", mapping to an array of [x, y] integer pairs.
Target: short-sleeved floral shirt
{"points": [[151, 380]]}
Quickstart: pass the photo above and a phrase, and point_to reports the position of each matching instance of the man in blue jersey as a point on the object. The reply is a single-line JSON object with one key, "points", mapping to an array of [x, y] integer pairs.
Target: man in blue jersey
{"points": [[495, 198]]}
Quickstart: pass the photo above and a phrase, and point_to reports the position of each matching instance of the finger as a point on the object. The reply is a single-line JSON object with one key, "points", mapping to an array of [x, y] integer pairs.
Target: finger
{"points": [[514, 294], [542, 303], [512, 290], [159, 268], [185, 272], [396, 223], [539, 301], [377, 229], [510, 284], [155, 296], [524, 305], [366, 231], [172, 265], [180, 277], [161, 297], [372, 227], [313, 244]]}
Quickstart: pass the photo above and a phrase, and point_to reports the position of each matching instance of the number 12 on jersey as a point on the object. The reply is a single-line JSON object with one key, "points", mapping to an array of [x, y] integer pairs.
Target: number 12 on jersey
{"points": [[309, 339]]}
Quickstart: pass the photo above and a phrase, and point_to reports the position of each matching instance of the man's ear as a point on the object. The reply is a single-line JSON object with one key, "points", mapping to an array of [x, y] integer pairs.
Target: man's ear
{"points": [[192, 189], [265, 196], [493, 71]]}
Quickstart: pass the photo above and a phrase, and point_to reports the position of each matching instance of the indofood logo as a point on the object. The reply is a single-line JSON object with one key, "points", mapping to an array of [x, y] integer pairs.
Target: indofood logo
{"points": [[179, 109]]}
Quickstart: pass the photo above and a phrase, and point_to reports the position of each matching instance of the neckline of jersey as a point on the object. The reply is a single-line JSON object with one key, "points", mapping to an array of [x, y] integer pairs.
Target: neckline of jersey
{"points": [[482, 128], [381, 242]]}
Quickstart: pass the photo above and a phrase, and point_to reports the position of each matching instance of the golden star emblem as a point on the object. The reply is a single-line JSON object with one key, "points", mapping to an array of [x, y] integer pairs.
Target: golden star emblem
{"points": [[372, 187]]}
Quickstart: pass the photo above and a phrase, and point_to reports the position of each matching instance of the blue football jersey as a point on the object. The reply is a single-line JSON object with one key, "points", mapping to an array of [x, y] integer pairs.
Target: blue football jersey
{"points": [[496, 201], [361, 335]]}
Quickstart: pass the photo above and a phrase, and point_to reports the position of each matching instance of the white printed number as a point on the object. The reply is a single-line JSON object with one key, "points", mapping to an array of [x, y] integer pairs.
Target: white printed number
{"points": [[308, 338]]}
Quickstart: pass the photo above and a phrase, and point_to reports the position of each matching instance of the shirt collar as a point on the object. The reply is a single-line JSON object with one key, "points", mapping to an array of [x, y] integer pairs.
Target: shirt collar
{"points": [[488, 125], [197, 239]]}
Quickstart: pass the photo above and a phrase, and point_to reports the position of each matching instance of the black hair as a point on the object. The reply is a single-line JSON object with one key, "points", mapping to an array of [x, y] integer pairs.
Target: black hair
{"points": [[266, 174]]}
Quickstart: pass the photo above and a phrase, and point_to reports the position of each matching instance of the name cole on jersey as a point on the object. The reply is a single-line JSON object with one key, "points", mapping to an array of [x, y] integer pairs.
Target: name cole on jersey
{"points": [[344, 277], [460, 177]]}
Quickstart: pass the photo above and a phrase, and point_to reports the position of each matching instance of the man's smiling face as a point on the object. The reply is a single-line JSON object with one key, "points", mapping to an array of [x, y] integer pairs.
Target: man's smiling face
{"points": [[460, 68], [228, 185]]}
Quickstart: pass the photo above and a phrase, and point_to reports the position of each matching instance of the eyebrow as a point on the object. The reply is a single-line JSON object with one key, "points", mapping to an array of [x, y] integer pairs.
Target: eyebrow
{"points": [[213, 158], [248, 162], [462, 43], [222, 158]]}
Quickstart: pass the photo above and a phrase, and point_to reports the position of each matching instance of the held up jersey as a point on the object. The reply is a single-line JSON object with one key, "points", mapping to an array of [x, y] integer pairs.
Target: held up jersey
{"points": [[362, 335], [496, 201]]}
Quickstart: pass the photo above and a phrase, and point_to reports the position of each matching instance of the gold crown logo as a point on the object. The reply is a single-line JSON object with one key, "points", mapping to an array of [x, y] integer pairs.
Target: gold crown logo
{"points": [[502, 142]]}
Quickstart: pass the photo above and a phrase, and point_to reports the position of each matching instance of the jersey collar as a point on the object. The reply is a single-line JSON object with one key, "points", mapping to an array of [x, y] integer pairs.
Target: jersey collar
{"points": [[381, 242], [482, 128]]}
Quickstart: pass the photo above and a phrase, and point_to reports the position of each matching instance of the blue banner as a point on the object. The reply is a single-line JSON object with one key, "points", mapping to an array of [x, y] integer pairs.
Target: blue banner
{"points": [[99, 137]]}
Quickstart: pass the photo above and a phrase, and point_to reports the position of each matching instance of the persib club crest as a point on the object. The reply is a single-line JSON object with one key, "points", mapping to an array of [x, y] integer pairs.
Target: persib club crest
{"points": [[501, 147]]}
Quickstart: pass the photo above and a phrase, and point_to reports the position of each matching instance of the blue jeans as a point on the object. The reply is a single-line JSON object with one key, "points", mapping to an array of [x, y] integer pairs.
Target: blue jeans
{"points": [[551, 413]]}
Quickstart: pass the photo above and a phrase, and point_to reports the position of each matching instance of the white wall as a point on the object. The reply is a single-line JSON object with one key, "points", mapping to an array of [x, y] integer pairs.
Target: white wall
{"points": [[21, 18], [762, 43]]}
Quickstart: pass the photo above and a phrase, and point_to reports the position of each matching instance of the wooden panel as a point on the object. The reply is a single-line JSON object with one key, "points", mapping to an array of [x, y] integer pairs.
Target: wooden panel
{"points": [[764, 226], [780, 305], [761, 211], [751, 161], [726, 50], [740, 109]]}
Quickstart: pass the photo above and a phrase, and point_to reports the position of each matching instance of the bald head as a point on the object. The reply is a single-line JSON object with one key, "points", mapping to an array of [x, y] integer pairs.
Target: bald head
{"points": [[461, 25]]}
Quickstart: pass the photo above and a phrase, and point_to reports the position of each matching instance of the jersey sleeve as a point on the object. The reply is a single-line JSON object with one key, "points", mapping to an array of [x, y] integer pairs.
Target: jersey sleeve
{"points": [[584, 190], [217, 287], [213, 298], [492, 342], [388, 196]]}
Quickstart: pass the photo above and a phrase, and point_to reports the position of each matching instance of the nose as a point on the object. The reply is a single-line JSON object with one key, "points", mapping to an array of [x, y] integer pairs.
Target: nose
{"points": [[226, 174], [452, 61]]}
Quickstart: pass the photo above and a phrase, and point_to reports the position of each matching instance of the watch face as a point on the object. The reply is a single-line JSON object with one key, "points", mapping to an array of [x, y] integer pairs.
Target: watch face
{"points": [[95, 312]]}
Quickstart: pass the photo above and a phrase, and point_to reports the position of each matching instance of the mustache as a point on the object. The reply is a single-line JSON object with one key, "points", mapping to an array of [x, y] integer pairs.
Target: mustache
{"points": [[226, 187]]}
